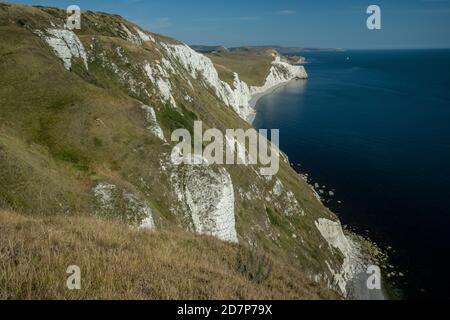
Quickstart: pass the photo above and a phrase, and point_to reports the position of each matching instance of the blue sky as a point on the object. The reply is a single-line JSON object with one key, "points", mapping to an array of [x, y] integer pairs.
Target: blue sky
{"points": [[317, 23]]}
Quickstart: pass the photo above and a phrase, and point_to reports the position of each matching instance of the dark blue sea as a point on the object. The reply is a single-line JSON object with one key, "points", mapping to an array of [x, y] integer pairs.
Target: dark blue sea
{"points": [[374, 128]]}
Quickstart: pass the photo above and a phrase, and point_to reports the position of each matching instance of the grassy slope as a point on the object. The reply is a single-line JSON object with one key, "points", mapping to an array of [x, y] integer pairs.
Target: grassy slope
{"points": [[251, 64], [118, 262], [61, 132]]}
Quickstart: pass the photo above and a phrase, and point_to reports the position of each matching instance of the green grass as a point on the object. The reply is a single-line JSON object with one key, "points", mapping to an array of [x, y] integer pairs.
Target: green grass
{"points": [[75, 157], [252, 66], [172, 119]]}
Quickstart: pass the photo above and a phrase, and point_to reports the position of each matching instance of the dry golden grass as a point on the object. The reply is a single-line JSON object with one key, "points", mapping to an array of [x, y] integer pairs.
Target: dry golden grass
{"points": [[118, 262]]}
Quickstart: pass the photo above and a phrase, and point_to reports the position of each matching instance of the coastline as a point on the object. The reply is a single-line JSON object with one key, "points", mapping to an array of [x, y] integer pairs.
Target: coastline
{"points": [[257, 96], [357, 284]]}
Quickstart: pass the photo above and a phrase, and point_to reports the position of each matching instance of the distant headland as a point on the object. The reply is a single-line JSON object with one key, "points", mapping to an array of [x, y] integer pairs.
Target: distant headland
{"points": [[280, 49]]}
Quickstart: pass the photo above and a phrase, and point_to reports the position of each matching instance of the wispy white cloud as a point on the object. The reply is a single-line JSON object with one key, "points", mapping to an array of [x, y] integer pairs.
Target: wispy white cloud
{"points": [[286, 12]]}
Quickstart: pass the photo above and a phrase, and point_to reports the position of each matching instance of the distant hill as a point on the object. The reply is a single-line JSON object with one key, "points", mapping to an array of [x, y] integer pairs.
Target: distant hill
{"points": [[290, 50], [208, 49], [280, 49]]}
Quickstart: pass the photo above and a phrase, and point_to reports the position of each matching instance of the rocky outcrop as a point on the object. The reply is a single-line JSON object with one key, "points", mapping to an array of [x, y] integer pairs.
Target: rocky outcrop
{"points": [[112, 201], [352, 263], [206, 195], [153, 125], [137, 38], [159, 74], [284, 200], [209, 195], [65, 44]]}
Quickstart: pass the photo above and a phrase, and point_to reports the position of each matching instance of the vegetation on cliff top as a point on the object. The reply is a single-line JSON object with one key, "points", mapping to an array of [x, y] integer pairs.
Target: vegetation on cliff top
{"points": [[118, 262]]}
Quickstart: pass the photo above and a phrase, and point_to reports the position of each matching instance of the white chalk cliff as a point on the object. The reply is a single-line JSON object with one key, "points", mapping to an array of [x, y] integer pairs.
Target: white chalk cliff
{"points": [[65, 44], [208, 198], [134, 210], [201, 67], [333, 233], [153, 125]]}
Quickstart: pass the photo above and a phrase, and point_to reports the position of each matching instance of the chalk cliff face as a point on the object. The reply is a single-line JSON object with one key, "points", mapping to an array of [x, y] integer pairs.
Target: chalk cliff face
{"points": [[208, 198], [238, 96], [281, 72], [65, 45], [353, 261], [89, 115]]}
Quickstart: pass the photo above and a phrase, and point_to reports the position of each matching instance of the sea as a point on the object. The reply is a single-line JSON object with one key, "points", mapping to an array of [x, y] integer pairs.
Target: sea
{"points": [[371, 129]]}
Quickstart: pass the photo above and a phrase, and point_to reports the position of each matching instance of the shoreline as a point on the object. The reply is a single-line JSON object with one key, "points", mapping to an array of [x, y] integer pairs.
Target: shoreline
{"points": [[357, 283], [257, 96]]}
